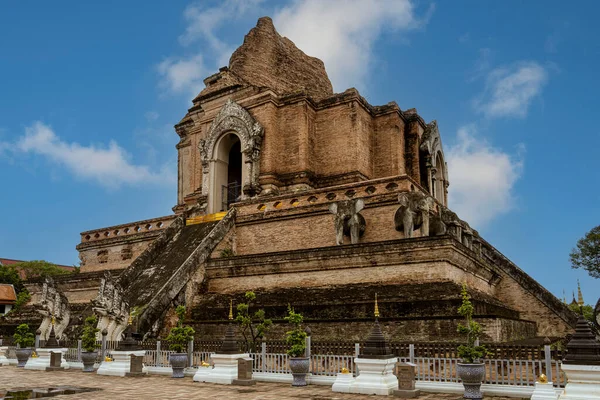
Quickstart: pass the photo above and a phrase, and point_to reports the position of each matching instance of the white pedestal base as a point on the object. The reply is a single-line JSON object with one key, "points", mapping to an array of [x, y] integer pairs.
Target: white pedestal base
{"points": [[3, 354], [376, 376], [583, 382], [544, 391], [343, 383], [43, 359], [224, 372], [121, 363]]}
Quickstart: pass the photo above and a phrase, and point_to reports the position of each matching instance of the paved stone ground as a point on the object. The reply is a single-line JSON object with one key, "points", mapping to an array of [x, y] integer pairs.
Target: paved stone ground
{"points": [[161, 387]]}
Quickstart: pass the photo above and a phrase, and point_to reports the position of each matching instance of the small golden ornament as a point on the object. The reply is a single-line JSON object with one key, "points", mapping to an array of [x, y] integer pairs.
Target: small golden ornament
{"points": [[205, 364], [543, 378], [34, 354], [345, 371], [107, 359]]}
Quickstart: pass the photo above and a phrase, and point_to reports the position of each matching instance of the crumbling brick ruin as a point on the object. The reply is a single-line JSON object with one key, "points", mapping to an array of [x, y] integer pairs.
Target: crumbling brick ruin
{"points": [[312, 198]]}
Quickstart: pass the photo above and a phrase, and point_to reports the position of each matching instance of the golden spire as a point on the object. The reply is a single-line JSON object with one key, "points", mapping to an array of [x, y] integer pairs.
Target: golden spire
{"points": [[230, 309], [130, 320], [579, 295], [376, 307], [52, 319]]}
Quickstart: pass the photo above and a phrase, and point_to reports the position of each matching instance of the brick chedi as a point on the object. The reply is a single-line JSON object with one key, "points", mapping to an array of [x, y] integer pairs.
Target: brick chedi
{"points": [[316, 199]]}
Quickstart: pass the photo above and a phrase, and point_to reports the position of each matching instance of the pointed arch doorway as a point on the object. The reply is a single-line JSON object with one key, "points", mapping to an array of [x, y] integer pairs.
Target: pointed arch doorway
{"points": [[228, 172]]}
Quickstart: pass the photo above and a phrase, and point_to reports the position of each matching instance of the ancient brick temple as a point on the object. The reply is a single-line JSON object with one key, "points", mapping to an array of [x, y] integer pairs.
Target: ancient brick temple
{"points": [[312, 198]]}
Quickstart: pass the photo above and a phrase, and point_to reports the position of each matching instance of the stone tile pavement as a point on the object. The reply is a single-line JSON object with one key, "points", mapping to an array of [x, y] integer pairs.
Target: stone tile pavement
{"points": [[162, 387]]}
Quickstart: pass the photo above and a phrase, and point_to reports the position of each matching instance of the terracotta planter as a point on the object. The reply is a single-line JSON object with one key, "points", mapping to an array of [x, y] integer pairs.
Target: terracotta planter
{"points": [[22, 356], [472, 375], [299, 367], [88, 358], [178, 362]]}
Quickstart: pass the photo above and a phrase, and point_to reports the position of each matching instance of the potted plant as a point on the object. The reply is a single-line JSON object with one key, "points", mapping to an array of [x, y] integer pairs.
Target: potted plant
{"points": [[24, 339], [296, 339], [88, 343], [471, 370], [178, 338]]}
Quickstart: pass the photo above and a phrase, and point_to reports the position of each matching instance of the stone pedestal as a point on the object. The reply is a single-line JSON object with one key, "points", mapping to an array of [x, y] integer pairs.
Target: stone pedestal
{"points": [[121, 364], [583, 382], [343, 382], [376, 376], [406, 381], [42, 361], [225, 370], [244, 377], [3, 356], [544, 391]]}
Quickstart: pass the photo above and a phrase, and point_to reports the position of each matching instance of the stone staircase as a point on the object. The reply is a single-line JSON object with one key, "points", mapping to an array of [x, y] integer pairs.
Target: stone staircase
{"points": [[154, 280]]}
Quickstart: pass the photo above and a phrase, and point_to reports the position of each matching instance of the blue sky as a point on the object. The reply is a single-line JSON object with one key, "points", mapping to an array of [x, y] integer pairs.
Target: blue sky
{"points": [[90, 91]]}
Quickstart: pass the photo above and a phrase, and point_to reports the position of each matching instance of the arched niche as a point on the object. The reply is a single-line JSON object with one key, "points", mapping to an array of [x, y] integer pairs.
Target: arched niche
{"points": [[232, 123], [434, 170]]}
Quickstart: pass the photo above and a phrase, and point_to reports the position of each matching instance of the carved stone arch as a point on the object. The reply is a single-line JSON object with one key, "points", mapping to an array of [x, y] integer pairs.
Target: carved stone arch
{"points": [[233, 118], [434, 167]]}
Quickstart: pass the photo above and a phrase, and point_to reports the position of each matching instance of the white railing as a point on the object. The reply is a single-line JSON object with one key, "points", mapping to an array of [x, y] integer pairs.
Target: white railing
{"points": [[270, 363], [498, 371], [521, 371], [330, 365]]}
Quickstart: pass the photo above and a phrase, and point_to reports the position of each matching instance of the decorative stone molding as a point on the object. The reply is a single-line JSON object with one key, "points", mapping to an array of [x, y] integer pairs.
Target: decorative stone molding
{"points": [[234, 118], [111, 307], [53, 303], [348, 220], [431, 150]]}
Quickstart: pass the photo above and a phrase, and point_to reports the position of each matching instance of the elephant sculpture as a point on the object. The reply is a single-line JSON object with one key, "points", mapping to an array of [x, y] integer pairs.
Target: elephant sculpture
{"points": [[413, 214], [347, 220]]}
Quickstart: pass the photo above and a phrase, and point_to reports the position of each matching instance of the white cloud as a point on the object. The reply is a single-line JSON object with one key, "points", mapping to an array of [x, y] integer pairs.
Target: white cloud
{"points": [[343, 40], [342, 32], [108, 166], [482, 178], [510, 90], [182, 75]]}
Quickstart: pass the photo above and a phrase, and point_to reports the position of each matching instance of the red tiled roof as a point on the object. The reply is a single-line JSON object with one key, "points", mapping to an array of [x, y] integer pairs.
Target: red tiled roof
{"points": [[7, 294]]}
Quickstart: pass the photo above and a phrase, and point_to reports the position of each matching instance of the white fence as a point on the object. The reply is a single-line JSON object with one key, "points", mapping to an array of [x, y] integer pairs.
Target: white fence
{"points": [[520, 370]]}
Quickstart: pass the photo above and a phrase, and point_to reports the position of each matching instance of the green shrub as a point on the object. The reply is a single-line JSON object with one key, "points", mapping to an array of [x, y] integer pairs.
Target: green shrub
{"points": [[23, 336], [181, 334], [88, 337], [469, 352], [252, 326], [296, 338]]}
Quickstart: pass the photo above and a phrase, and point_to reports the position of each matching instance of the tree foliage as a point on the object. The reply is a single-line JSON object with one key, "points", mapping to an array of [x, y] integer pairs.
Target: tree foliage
{"points": [[588, 311], [88, 337], [180, 335], [469, 352], [586, 255], [252, 326], [296, 338], [23, 336]]}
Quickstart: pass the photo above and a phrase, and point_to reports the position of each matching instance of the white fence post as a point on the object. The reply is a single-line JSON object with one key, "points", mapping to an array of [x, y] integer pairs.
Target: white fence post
{"points": [[190, 352], [548, 359], [411, 353], [79, 350], [264, 356], [103, 348], [157, 357]]}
